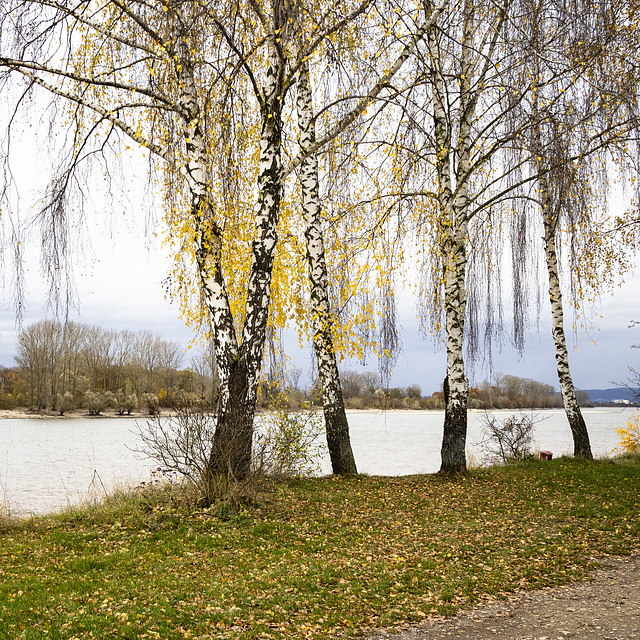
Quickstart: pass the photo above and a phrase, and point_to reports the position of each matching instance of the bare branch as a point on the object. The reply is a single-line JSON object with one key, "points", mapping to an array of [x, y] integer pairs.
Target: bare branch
{"points": [[364, 102]]}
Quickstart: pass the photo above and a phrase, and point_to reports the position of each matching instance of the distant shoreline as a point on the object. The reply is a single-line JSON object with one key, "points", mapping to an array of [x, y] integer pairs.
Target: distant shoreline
{"points": [[6, 414], [76, 413]]}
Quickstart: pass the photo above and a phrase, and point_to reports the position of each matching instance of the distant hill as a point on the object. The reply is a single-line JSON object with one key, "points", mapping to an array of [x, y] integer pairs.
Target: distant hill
{"points": [[619, 394]]}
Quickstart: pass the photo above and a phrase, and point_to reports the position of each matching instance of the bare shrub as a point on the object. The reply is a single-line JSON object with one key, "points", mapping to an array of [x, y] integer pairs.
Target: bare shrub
{"points": [[507, 440], [126, 403], [64, 402], [180, 443], [285, 444]]}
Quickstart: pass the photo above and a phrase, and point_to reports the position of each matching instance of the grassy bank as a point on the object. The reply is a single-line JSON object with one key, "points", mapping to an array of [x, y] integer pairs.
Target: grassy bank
{"points": [[315, 558]]}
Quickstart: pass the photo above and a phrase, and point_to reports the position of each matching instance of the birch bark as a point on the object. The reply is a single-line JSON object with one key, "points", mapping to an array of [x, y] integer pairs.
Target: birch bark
{"points": [[335, 417], [550, 212], [227, 454], [453, 204], [239, 362], [231, 451], [456, 385], [581, 443]]}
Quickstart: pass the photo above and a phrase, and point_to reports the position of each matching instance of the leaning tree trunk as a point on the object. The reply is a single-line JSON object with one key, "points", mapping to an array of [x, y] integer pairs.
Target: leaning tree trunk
{"points": [[581, 443], [550, 215], [335, 417]]}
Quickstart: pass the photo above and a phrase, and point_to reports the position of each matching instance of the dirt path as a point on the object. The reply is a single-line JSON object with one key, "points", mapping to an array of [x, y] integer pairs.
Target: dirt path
{"points": [[607, 608]]}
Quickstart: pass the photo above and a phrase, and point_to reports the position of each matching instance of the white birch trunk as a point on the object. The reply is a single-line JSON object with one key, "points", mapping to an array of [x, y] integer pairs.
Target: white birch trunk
{"points": [[336, 424], [456, 385], [208, 252], [239, 363], [231, 454], [453, 230], [581, 442]]}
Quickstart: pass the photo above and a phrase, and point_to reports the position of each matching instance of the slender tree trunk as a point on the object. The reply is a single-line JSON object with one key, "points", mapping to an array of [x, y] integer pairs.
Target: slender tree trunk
{"points": [[581, 443], [456, 385], [335, 417], [550, 213], [453, 231]]}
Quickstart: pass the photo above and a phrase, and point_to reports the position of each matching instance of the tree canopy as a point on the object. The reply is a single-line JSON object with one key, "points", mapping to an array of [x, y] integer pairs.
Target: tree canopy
{"points": [[449, 131]]}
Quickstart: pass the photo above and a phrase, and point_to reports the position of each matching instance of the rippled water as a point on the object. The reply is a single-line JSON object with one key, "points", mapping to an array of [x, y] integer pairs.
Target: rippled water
{"points": [[48, 463]]}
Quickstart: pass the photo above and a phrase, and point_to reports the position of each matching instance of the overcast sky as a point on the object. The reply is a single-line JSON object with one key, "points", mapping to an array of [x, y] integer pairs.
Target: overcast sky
{"points": [[121, 287], [119, 276]]}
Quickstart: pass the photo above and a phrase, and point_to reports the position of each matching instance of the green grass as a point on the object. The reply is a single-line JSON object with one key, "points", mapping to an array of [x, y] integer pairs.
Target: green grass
{"points": [[315, 558]]}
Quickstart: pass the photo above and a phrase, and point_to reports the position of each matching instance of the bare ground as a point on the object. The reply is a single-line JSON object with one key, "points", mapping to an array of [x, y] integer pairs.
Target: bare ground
{"points": [[606, 608]]}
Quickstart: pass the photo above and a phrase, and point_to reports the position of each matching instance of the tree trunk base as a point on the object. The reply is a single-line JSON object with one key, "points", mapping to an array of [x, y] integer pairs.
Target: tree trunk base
{"points": [[454, 437], [338, 441], [581, 443], [233, 440]]}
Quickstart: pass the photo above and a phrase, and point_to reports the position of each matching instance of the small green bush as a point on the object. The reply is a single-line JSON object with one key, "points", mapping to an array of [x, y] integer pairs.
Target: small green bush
{"points": [[289, 444]]}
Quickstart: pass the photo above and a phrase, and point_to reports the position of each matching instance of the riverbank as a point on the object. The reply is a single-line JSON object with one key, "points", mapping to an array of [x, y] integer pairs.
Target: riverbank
{"points": [[315, 558], [76, 413], [83, 413], [47, 464]]}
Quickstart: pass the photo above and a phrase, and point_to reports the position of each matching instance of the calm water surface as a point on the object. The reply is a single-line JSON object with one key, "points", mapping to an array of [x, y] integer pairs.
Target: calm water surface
{"points": [[46, 464]]}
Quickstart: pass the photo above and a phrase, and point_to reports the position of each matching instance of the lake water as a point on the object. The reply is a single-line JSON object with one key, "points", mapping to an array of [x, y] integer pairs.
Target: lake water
{"points": [[46, 464]]}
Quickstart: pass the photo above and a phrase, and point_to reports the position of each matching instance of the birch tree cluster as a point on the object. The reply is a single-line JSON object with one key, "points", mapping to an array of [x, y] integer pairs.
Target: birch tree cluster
{"points": [[312, 156]]}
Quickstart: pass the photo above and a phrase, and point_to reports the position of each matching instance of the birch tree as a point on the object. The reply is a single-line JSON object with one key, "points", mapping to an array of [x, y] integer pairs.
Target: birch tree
{"points": [[336, 424], [584, 108], [460, 64], [142, 69], [396, 24], [473, 77], [166, 75]]}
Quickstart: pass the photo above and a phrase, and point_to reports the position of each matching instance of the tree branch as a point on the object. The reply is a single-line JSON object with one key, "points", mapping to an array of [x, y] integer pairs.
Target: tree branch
{"points": [[383, 82]]}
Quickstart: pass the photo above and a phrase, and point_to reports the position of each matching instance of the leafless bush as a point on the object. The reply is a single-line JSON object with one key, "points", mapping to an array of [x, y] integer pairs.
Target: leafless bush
{"points": [[181, 442], [285, 444], [64, 402], [507, 440]]}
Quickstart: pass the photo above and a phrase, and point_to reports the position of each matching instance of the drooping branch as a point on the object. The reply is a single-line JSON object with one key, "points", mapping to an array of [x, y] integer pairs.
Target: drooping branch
{"points": [[106, 114], [373, 93], [109, 33]]}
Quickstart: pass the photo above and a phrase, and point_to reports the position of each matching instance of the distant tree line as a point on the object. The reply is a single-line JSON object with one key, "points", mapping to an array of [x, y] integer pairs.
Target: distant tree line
{"points": [[512, 392], [363, 390], [65, 366]]}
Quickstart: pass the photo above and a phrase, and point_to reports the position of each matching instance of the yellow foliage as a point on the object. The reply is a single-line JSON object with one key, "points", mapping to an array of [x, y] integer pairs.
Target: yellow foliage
{"points": [[363, 241], [629, 435]]}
